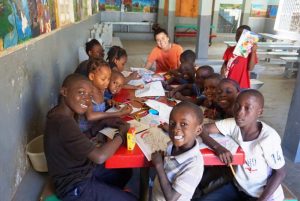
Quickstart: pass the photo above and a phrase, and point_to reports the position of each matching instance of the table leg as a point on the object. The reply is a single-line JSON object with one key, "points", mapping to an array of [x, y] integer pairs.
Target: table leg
{"points": [[144, 184]]}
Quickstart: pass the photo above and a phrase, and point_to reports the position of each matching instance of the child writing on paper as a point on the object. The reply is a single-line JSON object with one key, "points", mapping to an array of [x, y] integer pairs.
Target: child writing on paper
{"points": [[189, 57], [117, 58], [75, 165], [185, 74], [180, 170], [95, 51], [259, 178], [99, 74], [237, 67], [195, 89]]}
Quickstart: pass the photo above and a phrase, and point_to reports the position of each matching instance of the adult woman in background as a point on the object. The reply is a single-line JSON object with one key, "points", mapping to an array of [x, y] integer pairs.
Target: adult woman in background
{"points": [[165, 55]]}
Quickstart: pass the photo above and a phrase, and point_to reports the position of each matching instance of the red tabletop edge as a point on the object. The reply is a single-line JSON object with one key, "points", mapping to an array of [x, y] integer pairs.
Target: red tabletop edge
{"points": [[136, 159]]}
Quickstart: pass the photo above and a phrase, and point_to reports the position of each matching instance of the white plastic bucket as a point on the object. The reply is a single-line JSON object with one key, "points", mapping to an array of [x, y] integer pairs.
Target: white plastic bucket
{"points": [[35, 152]]}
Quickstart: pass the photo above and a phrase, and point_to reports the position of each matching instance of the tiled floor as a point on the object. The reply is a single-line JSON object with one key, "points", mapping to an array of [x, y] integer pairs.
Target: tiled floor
{"points": [[277, 91]]}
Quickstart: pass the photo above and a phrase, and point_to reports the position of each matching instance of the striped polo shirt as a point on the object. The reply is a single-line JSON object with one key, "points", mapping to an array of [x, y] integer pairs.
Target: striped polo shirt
{"points": [[184, 172]]}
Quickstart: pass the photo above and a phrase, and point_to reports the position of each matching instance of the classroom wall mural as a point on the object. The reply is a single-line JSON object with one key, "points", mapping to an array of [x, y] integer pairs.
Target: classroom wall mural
{"points": [[14, 22], [21, 20], [110, 5], [146, 6], [258, 10]]}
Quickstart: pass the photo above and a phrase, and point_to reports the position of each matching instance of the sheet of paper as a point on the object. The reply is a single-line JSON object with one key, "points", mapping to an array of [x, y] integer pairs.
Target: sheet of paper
{"points": [[113, 109], [136, 82], [141, 71], [139, 126], [151, 120], [163, 109], [225, 141], [151, 89], [126, 73], [109, 132], [152, 78], [154, 139]]}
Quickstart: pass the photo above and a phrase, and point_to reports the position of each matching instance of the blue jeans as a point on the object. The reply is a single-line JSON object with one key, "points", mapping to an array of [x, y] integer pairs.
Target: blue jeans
{"points": [[228, 192], [104, 185]]}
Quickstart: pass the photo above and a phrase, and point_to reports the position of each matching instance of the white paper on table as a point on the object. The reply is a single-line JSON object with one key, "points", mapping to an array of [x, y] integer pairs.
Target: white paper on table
{"points": [[151, 89], [154, 139], [141, 71], [225, 141], [136, 82], [150, 120], [163, 109], [126, 73], [139, 126], [109, 132], [113, 109]]}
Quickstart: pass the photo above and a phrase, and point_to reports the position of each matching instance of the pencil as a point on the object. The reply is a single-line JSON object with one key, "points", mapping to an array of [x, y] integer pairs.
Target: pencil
{"points": [[141, 131], [232, 170]]}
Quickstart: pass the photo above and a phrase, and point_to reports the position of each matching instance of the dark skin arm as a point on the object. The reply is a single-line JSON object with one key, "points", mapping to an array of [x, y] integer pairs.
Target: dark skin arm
{"points": [[253, 58], [133, 76], [169, 193], [100, 154], [272, 184], [94, 116], [224, 155], [179, 88], [129, 86], [223, 69]]}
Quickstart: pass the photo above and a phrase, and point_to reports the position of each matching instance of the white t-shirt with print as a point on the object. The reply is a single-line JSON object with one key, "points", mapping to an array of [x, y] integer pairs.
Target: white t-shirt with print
{"points": [[261, 156]]}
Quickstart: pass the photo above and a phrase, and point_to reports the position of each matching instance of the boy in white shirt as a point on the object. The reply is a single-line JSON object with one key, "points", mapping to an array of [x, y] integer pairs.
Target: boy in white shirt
{"points": [[180, 170], [259, 178]]}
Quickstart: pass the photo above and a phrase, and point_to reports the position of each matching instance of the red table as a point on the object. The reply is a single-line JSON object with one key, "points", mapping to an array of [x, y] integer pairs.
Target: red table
{"points": [[124, 158], [136, 159]]}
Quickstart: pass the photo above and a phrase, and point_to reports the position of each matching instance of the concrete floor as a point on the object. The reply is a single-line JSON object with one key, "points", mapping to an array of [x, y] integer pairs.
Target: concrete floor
{"points": [[277, 91]]}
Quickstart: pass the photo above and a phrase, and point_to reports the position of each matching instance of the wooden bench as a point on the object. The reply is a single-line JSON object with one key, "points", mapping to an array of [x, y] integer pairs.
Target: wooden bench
{"points": [[188, 31]]}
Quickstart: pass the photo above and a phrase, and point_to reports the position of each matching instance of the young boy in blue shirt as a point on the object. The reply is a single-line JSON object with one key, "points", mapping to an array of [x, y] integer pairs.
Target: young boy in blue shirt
{"points": [[180, 170], [259, 178], [75, 164]]}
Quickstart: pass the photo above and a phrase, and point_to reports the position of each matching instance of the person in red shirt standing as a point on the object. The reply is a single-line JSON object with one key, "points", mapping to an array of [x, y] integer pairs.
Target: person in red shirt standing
{"points": [[236, 67]]}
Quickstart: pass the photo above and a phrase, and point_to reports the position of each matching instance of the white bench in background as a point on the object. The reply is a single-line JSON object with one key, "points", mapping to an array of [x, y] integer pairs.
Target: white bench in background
{"points": [[149, 24], [261, 44], [290, 66], [273, 37], [277, 54]]}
